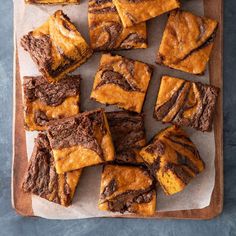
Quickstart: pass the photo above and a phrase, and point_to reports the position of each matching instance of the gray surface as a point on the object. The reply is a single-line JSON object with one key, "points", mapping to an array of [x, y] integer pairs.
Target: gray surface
{"points": [[12, 224]]}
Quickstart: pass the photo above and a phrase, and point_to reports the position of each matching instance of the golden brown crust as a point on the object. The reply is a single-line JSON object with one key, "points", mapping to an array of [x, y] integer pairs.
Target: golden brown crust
{"points": [[186, 103], [106, 29], [41, 178], [56, 47], [121, 81], [187, 42], [127, 188], [45, 102], [133, 12], [173, 159], [80, 141]]}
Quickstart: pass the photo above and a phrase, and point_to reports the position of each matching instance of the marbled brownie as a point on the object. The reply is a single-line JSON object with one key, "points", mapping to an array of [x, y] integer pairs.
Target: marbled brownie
{"points": [[128, 135], [107, 32], [133, 12], [186, 103], [187, 42], [56, 47], [45, 102], [121, 81], [173, 159], [41, 178], [127, 188], [80, 141]]}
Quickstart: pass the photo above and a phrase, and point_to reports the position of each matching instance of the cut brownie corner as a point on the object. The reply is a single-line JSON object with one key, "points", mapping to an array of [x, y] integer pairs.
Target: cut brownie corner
{"points": [[41, 178], [80, 141], [193, 54], [121, 81], [69, 50], [107, 32], [46, 102], [128, 134], [173, 159], [127, 188], [186, 103]]}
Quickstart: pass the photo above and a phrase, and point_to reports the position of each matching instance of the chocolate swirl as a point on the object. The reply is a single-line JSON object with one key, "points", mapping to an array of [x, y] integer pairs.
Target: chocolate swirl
{"points": [[205, 97], [48, 93], [41, 178]]}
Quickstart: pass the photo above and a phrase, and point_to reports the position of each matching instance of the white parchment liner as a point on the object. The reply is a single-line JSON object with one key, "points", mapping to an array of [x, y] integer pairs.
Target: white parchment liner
{"points": [[197, 194]]}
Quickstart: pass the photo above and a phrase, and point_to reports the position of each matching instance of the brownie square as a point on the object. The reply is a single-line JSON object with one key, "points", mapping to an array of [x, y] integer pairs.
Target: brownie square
{"points": [[45, 102], [106, 29], [186, 103], [128, 135], [121, 81], [187, 42], [56, 47], [136, 11], [127, 188], [173, 159], [41, 178], [52, 1], [80, 141]]}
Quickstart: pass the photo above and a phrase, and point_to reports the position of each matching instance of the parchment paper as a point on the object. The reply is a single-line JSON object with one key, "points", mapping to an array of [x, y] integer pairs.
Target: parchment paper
{"points": [[197, 194]]}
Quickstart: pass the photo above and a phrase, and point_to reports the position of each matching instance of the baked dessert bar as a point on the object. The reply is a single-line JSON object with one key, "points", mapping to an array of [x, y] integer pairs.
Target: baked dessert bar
{"points": [[128, 135], [80, 141], [187, 42], [56, 47], [121, 81], [136, 11], [186, 103], [127, 188], [173, 159], [52, 1], [45, 102], [41, 178], [106, 29]]}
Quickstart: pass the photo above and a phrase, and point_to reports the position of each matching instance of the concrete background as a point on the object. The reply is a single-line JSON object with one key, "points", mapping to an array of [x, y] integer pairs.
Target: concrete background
{"points": [[13, 224]]}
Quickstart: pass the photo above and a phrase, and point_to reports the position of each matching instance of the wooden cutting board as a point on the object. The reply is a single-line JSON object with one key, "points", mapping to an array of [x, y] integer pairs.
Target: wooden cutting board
{"points": [[22, 202]]}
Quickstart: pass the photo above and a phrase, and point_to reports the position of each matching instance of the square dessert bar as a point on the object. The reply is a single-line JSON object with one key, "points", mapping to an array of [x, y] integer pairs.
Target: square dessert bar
{"points": [[127, 188], [41, 178], [186, 103], [187, 42], [52, 1], [56, 47], [121, 81], [136, 11], [45, 102], [106, 29], [173, 159], [128, 135], [80, 141]]}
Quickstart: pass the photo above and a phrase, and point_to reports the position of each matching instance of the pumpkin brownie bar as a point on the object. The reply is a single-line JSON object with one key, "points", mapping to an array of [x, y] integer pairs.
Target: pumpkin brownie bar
{"points": [[52, 1], [45, 102], [127, 188], [80, 141], [106, 29], [173, 159], [121, 81], [187, 42], [128, 135], [186, 103], [136, 11], [56, 47], [41, 178]]}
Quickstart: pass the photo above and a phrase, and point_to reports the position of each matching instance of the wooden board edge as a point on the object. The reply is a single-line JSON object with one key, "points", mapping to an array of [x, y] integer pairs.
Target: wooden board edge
{"points": [[215, 208], [21, 202]]}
